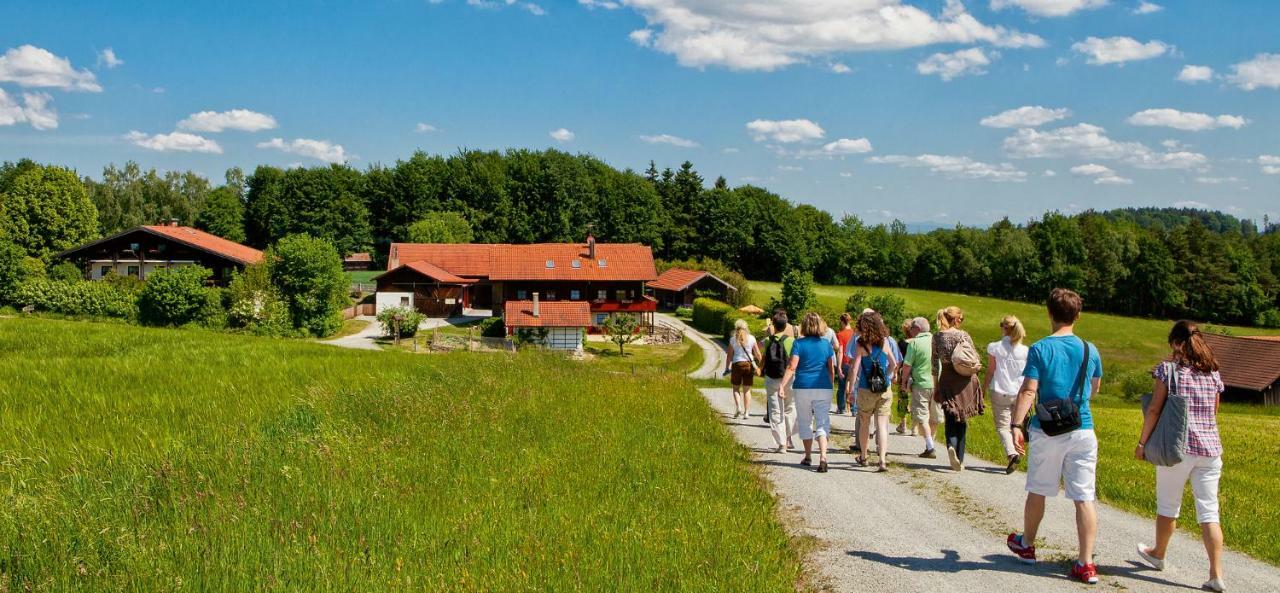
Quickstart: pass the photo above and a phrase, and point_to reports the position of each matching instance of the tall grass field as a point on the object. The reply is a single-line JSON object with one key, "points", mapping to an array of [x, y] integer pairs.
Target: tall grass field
{"points": [[1130, 347], [148, 460]]}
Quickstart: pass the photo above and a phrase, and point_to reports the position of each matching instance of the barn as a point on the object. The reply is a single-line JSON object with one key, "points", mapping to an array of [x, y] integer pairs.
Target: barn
{"points": [[678, 288], [1250, 367]]}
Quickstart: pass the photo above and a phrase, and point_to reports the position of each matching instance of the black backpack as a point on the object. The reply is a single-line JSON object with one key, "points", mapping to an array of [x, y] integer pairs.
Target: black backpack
{"points": [[877, 375], [775, 357]]}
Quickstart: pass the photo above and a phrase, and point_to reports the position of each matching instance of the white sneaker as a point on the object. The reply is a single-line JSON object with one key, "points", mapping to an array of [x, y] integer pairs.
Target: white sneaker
{"points": [[1145, 553], [955, 459], [1214, 585]]}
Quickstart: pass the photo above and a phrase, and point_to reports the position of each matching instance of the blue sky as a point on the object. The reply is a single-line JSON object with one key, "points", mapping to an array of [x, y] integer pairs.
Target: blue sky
{"points": [[826, 102]]}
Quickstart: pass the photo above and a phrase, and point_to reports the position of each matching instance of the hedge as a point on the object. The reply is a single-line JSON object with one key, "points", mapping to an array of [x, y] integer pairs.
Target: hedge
{"points": [[716, 318], [94, 299]]}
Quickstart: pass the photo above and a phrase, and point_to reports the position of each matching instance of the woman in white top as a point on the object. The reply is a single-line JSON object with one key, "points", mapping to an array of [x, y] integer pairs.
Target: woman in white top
{"points": [[743, 359], [1005, 361]]}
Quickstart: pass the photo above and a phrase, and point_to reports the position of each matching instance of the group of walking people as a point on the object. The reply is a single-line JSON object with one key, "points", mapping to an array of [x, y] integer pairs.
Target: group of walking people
{"points": [[1039, 395]]}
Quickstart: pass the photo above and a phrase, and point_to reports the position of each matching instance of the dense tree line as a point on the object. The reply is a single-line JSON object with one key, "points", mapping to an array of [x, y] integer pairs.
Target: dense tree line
{"points": [[1144, 261]]}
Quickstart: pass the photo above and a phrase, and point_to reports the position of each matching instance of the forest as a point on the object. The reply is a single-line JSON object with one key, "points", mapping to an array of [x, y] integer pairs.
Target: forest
{"points": [[1155, 262]]}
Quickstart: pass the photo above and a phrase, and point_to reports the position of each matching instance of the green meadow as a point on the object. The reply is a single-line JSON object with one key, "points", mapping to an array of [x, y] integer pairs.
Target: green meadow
{"points": [[1130, 347], [138, 459]]}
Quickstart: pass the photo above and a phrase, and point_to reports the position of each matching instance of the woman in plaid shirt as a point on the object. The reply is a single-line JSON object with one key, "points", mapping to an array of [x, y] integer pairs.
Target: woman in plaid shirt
{"points": [[1199, 382]]}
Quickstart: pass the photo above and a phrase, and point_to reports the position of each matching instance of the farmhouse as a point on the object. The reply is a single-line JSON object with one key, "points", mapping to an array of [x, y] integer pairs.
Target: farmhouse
{"points": [[1250, 366], [564, 322], [446, 279], [357, 262], [677, 287], [141, 250]]}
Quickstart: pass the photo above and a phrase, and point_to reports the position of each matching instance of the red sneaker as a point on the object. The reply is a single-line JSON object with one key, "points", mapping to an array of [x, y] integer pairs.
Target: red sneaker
{"points": [[1085, 573], [1025, 553]]}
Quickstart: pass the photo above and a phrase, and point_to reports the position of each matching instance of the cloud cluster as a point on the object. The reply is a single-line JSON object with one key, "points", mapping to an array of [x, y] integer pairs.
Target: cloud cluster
{"points": [[562, 135], [108, 58], [669, 139], [771, 34], [965, 62], [320, 150], [787, 131], [532, 8], [424, 128], [236, 119], [174, 142], [1101, 175], [1145, 7], [1090, 142], [33, 67], [1263, 71], [1118, 50], [1270, 164], [35, 110], [1193, 74], [956, 167], [1049, 8], [1185, 120], [1030, 116]]}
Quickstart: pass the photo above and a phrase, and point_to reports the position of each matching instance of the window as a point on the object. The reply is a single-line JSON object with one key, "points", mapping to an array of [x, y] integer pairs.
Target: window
{"points": [[404, 301], [551, 295], [602, 295], [522, 295], [104, 270], [133, 271], [550, 264], [574, 295], [134, 247], [622, 295], [577, 264], [600, 317], [602, 263]]}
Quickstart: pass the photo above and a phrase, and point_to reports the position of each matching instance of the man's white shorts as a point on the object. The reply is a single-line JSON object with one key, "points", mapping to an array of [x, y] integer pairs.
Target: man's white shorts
{"points": [[1070, 459]]}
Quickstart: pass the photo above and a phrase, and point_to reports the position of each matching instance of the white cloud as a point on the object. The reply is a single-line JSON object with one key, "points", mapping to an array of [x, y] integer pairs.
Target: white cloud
{"points": [[1263, 71], [1192, 74], [956, 167], [108, 58], [35, 110], [965, 62], [173, 142], [425, 128], [531, 7], [846, 174], [847, 146], [1101, 175], [1118, 50], [839, 68], [785, 131], [790, 168], [320, 150], [1270, 164], [34, 67], [1087, 141], [1050, 173], [235, 119], [1192, 204], [1216, 180], [731, 150], [1030, 116], [1145, 7], [669, 139], [605, 4], [1185, 120], [562, 135], [772, 34], [1049, 8]]}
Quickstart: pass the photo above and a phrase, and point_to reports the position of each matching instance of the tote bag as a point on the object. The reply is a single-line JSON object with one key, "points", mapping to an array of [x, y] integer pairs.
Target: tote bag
{"points": [[1167, 444]]}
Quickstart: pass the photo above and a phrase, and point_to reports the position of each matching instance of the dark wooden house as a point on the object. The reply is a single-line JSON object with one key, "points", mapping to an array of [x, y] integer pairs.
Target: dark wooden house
{"points": [[677, 287], [1250, 367], [142, 250]]}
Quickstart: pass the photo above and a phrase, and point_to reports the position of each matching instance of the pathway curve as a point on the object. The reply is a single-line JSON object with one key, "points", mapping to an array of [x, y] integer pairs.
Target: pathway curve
{"points": [[712, 353], [365, 339], [921, 527]]}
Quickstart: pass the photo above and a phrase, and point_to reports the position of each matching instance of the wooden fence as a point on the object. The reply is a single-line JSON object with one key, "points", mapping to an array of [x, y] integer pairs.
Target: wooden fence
{"points": [[363, 309]]}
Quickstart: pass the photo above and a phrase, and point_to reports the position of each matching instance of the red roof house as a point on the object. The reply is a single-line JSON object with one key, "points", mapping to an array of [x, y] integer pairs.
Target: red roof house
{"points": [[677, 287], [1250, 366], [141, 250], [443, 279]]}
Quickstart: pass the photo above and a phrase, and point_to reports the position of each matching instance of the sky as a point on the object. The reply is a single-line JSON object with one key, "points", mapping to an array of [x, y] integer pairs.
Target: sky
{"points": [[925, 111]]}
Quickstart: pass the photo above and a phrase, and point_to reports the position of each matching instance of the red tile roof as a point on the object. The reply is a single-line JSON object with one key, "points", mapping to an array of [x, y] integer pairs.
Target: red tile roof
{"points": [[679, 279], [358, 257], [211, 243], [550, 314], [612, 261], [435, 273], [1247, 363]]}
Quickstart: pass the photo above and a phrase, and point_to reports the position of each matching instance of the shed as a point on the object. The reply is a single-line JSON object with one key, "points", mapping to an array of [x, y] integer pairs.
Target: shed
{"points": [[1250, 366], [565, 321], [678, 287], [357, 262]]}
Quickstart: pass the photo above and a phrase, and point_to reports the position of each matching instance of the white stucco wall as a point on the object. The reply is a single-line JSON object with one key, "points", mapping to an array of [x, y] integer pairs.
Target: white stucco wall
{"points": [[385, 300]]}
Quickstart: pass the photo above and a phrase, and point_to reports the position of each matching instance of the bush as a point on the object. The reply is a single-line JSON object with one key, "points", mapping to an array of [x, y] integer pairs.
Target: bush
{"points": [[684, 312], [66, 272], [1269, 318], [308, 274], [409, 321], [176, 296], [92, 299], [716, 318], [493, 327], [798, 295], [255, 304], [15, 268], [856, 303], [891, 307]]}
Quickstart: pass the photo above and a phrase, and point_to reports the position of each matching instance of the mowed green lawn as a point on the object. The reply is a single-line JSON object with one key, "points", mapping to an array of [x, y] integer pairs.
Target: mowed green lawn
{"points": [[161, 460], [1129, 348]]}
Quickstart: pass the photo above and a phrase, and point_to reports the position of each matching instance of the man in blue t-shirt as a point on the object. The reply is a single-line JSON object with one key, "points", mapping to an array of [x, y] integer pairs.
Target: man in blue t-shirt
{"points": [[1071, 458]]}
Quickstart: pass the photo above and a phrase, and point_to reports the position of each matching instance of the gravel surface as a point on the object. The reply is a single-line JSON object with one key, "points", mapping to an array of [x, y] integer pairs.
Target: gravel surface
{"points": [[712, 353], [921, 527]]}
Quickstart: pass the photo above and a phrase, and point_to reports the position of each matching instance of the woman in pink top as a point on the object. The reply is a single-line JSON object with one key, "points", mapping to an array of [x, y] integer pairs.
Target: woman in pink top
{"points": [[1197, 381]]}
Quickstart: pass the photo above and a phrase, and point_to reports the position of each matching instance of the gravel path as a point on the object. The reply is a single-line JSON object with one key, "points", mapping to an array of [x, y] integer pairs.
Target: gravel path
{"points": [[712, 353], [921, 527], [364, 339]]}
